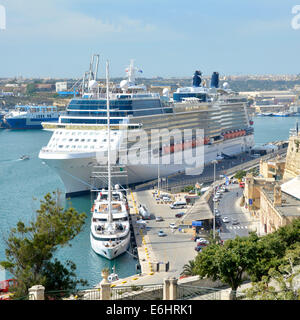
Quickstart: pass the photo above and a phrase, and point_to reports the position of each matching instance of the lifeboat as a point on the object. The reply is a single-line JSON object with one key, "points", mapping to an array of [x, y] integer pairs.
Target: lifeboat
{"points": [[188, 145], [167, 149], [178, 147], [206, 140], [200, 142]]}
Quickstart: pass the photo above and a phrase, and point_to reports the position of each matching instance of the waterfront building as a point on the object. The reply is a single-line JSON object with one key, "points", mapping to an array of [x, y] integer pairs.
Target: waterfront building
{"points": [[292, 167], [61, 86], [274, 196], [279, 205], [272, 168]]}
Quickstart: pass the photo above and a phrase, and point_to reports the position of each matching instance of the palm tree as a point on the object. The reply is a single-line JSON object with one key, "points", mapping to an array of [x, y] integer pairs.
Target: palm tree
{"points": [[188, 269]]}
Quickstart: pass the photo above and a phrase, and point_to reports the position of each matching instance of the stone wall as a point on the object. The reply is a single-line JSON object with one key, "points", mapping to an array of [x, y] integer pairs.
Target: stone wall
{"points": [[292, 166]]}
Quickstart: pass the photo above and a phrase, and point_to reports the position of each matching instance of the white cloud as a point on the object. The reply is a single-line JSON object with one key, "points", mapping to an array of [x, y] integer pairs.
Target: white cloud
{"points": [[52, 20]]}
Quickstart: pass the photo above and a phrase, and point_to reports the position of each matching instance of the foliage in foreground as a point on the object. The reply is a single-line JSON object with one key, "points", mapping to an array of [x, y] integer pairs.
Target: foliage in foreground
{"points": [[260, 258], [30, 249]]}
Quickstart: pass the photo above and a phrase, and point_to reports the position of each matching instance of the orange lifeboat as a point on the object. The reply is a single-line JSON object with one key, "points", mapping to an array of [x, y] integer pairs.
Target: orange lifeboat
{"points": [[206, 140], [167, 149], [188, 145]]}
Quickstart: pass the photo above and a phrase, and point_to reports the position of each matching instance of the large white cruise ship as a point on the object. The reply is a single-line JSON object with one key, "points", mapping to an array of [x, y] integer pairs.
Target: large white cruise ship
{"points": [[79, 140]]}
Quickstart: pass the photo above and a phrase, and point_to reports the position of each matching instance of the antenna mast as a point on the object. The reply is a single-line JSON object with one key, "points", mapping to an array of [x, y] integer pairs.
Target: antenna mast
{"points": [[110, 218]]}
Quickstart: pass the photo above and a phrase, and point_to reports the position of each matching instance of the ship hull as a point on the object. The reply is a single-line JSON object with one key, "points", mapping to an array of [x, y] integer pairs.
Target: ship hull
{"points": [[109, 253], [76, 171], [27, 123]]}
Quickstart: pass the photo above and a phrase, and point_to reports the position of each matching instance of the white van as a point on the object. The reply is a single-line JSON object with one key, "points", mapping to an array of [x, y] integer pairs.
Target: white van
{"points": [[178, 205]]}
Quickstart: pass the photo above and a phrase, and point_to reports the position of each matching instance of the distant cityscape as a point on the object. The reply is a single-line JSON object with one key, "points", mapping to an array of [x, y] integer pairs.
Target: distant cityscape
{"points": [[21, 90]]}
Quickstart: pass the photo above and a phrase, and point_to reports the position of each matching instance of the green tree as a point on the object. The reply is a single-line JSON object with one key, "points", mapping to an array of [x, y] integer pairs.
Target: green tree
{"points": [[30, 89], [279, 284], [240, 174], [227, 263], [30, 248], [189, 269]]}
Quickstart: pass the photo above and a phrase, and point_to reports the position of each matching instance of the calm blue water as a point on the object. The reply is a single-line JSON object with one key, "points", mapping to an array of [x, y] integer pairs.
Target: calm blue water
{"points": [[24, 183]]}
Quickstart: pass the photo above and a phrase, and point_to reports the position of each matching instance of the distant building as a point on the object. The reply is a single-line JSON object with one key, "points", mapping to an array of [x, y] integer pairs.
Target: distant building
{"points": [[61, 86], [278, 206], [272, 168], [274, 196], [45, 87], [292, 167]]}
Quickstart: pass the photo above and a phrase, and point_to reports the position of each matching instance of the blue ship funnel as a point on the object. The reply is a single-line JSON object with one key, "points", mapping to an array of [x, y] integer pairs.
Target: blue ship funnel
{"points": [[197, 78], [214, 83]]}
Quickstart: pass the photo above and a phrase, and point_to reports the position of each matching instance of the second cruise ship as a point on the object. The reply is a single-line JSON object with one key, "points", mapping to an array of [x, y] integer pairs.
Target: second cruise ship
{"points": [[79, 140]]}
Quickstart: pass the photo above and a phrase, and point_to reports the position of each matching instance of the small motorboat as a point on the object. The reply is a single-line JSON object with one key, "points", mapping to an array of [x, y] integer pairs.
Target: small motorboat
{"points": [[24, 157], [113, 276]]}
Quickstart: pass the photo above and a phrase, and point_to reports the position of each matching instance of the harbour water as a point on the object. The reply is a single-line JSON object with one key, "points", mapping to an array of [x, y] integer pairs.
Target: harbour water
{"points": [[24, 183]]}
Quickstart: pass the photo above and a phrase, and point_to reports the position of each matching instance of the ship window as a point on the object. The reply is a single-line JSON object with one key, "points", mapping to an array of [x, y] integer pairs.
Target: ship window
{"points": [[95, 140], [88, 140], [79, 147], [60, 146], [76, 140], [70, 139], [73, 133], [73, 146], [85, 147], [92, 147], [82, 140], [67, 146]]}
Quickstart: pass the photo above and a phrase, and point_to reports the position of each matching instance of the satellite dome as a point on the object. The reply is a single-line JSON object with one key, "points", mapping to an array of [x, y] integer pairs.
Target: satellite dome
{"points": [[93, 84], [225, 85], [124, 84], [165, 92]]}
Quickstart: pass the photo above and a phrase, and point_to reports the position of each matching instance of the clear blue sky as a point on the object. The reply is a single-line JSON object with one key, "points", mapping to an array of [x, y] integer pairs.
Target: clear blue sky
{"points": [[56, 38]]}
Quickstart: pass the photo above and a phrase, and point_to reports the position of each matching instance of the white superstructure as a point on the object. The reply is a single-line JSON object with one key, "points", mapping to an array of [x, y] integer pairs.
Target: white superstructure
{"points": [[110, 237], [80, 138]]}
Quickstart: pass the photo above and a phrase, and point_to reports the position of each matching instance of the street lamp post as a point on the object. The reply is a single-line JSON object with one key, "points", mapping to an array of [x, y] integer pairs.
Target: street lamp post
{"points": [[214, 162]]}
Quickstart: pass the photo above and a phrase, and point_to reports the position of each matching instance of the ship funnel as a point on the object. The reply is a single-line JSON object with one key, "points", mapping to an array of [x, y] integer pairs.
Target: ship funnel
{"points": [[197, 78], [214, 83]]}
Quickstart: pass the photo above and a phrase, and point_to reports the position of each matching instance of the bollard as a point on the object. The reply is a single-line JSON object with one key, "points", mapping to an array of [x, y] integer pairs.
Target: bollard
{"points": [[37, 293], [166, 289], [173, 288]]}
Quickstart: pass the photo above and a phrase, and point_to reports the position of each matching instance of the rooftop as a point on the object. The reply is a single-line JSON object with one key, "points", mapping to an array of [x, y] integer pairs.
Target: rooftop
{"points": [[290, 205]]}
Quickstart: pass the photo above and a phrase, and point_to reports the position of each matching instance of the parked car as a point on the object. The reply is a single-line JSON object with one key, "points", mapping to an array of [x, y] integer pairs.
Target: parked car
{"points": [[235, 221], [179, 214], [217, 214], [172, 226], [159, 218], [161, 233], [202, 242], [225, 220], [166, 198], [178, 205], [218, 222]]}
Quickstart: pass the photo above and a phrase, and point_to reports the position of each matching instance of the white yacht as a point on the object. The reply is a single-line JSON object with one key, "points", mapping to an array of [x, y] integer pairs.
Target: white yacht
{"points": [[110, 229], [80, 138]]}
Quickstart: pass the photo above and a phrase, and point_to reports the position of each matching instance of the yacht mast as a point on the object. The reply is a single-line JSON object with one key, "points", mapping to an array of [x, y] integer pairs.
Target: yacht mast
{"points": [[110, 218]]}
